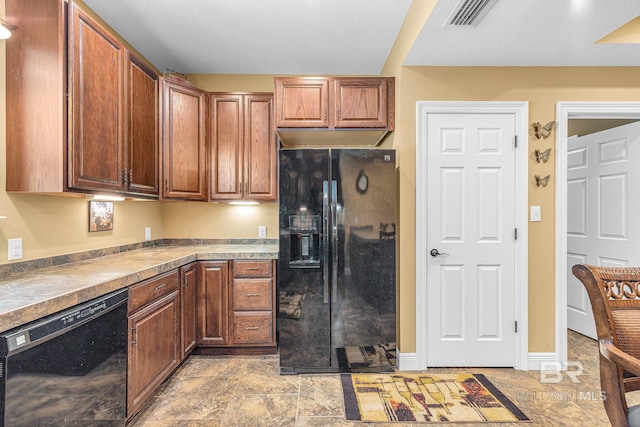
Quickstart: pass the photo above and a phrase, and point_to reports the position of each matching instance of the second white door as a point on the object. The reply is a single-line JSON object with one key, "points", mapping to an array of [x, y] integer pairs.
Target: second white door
{"points": [[602, 180], [470, 240]]}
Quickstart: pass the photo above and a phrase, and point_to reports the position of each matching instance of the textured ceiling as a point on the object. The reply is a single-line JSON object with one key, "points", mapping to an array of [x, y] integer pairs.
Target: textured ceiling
{"points": [[529, 33], [259, 36], [356, 36]]}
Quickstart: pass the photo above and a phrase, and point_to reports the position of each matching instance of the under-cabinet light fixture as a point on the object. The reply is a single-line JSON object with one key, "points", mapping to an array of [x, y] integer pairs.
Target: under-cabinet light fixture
{"points": [[244, 203], [5, 29], [105, 198]]}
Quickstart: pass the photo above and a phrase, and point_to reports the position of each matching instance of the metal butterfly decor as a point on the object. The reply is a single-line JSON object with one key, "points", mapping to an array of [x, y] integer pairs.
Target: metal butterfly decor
{"points": [[542, 182], [542, 132], [542, 156]]}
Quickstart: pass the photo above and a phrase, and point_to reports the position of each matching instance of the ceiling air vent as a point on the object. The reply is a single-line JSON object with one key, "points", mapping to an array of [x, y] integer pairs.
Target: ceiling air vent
{"points": [[470, 12]]}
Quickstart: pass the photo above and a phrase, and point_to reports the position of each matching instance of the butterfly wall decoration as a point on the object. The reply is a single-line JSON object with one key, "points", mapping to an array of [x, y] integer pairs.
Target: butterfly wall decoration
{"points": [[542, 156], [542, 182], [542, 132]]}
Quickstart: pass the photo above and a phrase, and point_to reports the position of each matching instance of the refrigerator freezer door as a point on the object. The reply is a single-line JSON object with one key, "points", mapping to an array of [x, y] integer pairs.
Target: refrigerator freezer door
{"points": [[303, 323]]}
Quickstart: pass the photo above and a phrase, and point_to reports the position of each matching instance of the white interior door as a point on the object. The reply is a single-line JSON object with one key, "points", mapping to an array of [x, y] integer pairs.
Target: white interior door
{"points": [[602, 173], [471, 223]]}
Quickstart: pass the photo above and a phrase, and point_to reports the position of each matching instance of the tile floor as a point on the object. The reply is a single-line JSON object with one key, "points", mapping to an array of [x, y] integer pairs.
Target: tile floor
{"points": [[248, 392]]}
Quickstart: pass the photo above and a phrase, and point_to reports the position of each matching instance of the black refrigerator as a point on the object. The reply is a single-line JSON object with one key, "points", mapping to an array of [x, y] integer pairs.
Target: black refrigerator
{"points": [[337, 263]]}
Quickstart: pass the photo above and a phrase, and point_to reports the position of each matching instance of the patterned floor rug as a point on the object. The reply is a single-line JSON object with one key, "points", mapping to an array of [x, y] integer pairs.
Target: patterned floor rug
{"points": [[426, 398]]}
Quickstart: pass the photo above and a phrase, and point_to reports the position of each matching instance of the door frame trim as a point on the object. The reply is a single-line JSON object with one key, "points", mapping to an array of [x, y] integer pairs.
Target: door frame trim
{"points": [[520, 110], [564, 112]]}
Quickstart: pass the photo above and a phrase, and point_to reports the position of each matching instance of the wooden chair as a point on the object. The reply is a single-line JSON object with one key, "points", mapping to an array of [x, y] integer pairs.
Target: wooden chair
{"points": [[614, 293]]}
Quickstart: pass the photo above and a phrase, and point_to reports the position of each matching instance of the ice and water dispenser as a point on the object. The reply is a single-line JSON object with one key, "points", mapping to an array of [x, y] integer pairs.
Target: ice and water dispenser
{"points": [[304, 231]]}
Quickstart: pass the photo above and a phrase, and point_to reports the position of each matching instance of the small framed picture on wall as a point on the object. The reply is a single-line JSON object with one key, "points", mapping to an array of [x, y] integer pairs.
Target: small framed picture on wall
{"points": [[100, 216]]}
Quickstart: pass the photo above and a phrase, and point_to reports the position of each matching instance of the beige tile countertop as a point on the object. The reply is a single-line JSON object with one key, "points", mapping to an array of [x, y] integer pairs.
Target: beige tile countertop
{"points": [[33, 294]]}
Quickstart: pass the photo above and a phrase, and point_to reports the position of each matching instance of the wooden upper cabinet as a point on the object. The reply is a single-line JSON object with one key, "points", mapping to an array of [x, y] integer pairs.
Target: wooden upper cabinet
{"points": [[36, 96], [226, 130], [243, 147], [142, 152], [96, 149], [360, 103], [84, 111], [260, 168], [302, 102], [335, 102], [183, 142]]}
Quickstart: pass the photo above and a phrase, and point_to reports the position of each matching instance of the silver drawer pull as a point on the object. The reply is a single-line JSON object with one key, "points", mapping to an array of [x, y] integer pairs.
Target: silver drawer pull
{"points": [[157, 288], [252, 268], [252, 328], [253, 295]]}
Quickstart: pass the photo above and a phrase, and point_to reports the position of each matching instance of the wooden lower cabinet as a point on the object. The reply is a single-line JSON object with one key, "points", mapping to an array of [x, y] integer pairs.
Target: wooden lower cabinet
{"points": [[236, 301], [205, 307], [154, 339], [188, 304], [252, 328], [252, 303], [212, 314]]}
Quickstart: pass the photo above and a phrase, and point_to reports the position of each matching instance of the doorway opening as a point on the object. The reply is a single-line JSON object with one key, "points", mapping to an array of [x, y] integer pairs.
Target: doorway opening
{"points": [[574, 111]]}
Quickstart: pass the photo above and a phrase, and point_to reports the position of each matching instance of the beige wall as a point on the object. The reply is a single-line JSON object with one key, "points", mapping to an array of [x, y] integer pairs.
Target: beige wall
{"points": [[405, 152], [542, 88]]}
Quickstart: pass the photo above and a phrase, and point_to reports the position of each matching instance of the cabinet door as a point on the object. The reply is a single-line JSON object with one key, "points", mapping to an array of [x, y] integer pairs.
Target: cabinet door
{"points": [[142, 154], [183, 142], [226, 130], [188, 298], [96, 148], [213, 296], [154, 349], [360, 103], [302, 102], [36, 93], [260, 168]]}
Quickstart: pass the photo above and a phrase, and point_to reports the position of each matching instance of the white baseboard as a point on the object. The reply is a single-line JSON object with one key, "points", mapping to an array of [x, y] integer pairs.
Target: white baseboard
{"points": [[407, 361], [547, 360]]}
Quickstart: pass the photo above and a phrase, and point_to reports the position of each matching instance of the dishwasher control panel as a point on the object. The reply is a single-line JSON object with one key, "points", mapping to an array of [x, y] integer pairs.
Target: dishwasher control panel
{"points": [[27, 335]]}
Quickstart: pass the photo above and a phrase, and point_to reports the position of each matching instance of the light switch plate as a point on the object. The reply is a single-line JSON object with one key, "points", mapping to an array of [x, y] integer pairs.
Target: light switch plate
{"points": [[14, 249], [147, 233], [535, 214], [262, 232]]}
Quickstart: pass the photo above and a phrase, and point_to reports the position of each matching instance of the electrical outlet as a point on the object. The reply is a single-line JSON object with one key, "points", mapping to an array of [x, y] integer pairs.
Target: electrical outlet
{"points": [[14, 249], [147, 233], [262, 232]]}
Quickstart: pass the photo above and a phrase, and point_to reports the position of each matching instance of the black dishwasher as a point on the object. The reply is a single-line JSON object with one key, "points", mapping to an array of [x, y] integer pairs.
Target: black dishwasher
{"points": [[69, 368]]}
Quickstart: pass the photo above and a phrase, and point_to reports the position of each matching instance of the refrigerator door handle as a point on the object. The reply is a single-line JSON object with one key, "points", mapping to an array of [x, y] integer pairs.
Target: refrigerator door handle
{"points": [[325, 239], [334, 240]]}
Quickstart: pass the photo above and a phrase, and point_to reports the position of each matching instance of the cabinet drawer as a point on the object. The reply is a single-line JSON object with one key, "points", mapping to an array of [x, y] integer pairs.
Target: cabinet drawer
{"points": [[253, 328], [252, 294], [150, 290], [252, 268]]}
